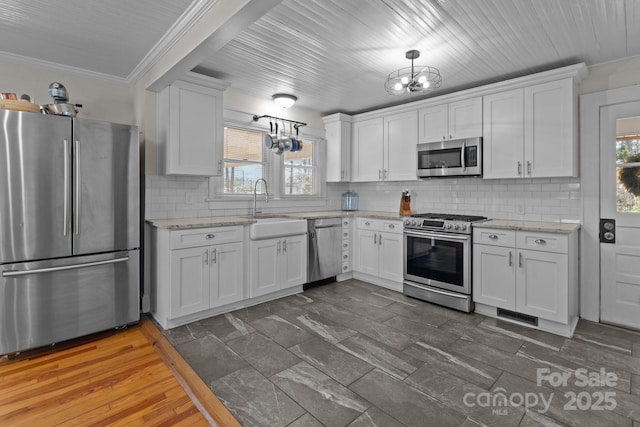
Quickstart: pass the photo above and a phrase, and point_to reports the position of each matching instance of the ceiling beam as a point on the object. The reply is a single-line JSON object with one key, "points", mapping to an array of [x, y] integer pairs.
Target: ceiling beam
{"points": [[219, 22]]}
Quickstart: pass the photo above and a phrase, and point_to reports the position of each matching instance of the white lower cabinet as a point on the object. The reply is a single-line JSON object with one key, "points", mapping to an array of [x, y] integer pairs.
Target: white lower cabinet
{"points": [[527, 272], [379, 251], [277, 264], [194, 271]]}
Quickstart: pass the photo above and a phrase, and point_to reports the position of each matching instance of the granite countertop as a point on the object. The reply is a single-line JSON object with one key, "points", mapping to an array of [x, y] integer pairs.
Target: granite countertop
{"points": [[222, 221], [546, 227]]}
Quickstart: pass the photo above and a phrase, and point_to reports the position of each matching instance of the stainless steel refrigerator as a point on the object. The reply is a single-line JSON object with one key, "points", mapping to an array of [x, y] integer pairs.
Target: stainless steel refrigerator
{"points": [[69, 228]]}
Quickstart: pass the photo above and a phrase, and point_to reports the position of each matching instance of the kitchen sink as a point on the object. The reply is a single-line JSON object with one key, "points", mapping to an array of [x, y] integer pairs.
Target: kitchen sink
{"points": [[266, 228]]}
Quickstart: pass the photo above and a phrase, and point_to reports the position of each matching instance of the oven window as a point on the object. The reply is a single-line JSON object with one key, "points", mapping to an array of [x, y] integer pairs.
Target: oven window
{"points": [[440, 159], [435, 259]]}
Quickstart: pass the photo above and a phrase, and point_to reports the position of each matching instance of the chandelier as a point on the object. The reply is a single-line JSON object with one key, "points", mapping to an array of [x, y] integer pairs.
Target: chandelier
{"points": [[412, 79]]}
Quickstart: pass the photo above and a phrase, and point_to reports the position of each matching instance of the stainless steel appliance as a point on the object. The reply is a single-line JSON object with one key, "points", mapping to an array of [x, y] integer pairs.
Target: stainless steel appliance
{"points": [[455, 157], [437, 259], [69, 228], [324, 248]]}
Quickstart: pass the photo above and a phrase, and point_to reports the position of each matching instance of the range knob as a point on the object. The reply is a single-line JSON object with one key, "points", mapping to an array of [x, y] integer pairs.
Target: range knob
{"points": [[407, 222], [463, 227], [455, 227], [414, 222], [448, 226]]}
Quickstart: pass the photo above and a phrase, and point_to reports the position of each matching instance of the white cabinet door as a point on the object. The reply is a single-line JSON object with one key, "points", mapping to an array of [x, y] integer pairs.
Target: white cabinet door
{"points": [[338, 134], [368, 150], [190, 277], [465, 118], [195, 135], [542, 285], [265, 266], [294, 261], [503, 133], [366, 248], [494, 276], [227, 274], [549, 137], [433, 123], [400, 140], [391, 256]]}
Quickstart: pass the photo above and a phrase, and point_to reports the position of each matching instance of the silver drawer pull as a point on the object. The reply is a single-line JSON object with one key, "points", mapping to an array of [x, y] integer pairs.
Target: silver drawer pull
{"points": [[345, 256], [493, 236], [391, 226], [345, 223], [210, 236], [367, 223], [541, 241]]}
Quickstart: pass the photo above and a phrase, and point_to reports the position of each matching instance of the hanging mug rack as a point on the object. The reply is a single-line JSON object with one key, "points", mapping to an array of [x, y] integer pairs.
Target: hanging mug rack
{"points": [[281, 142]]}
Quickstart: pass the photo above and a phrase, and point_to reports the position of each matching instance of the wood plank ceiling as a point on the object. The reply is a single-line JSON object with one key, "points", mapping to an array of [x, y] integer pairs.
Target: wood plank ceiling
{"points": [[333, 54]]}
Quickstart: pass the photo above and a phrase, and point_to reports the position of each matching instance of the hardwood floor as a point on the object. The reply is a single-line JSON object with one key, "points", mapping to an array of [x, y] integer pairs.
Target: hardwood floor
{"points": [[131, 377]]}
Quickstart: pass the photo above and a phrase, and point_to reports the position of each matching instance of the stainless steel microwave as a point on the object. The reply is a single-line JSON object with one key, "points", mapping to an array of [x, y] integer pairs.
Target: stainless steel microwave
{"points": [[455, 157]]}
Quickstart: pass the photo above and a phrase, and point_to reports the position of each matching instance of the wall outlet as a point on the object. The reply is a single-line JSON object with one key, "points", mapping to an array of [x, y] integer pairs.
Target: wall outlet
{"points": [[520, 208]]}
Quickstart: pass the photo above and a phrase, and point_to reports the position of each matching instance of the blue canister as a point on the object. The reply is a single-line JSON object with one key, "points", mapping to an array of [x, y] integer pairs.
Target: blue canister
{"points": [[350, 201]]}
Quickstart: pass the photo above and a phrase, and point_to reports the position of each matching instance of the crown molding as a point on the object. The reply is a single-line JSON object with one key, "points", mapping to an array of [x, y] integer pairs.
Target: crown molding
{"points": [[186, 21]]}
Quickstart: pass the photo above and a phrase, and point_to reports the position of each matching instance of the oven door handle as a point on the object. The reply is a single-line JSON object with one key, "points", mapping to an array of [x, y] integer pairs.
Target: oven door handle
{"points": [[450, 237]]}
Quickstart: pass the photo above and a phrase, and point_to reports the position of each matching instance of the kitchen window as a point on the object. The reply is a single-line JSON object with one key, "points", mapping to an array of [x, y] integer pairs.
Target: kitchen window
{"points": [[291, 175], [243, 160]]}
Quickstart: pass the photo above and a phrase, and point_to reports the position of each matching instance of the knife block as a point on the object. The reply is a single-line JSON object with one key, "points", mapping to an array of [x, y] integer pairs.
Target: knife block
{"points": [[405, 206]]}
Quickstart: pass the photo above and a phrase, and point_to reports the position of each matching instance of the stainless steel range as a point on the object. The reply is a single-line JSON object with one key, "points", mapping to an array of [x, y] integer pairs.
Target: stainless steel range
{"points": [[437, 259]]}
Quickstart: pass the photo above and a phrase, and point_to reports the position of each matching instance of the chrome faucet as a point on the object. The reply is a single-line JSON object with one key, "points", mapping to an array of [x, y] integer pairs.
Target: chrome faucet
{"points": [[266, 194]]}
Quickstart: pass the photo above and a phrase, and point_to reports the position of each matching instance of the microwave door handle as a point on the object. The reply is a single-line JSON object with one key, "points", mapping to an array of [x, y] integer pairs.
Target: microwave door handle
{"points": [[464, 166]]}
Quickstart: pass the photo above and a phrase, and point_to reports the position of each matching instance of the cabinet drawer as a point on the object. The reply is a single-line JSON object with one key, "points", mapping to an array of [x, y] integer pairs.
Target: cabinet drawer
{"points": [[368, 224], [205, 236], [392, 227], [495, 237], [548, 242]]}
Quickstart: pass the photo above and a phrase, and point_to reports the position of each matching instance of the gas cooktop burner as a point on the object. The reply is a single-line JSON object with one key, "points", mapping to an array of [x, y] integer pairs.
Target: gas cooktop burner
{"points": [[448, 223], [450, 217]]}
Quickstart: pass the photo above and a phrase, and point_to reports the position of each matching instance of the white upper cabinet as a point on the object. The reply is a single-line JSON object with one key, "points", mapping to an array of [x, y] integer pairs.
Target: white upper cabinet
{"points": [[384, 149], [191, 127], [338, 133], [530, 132], [455, 120]]}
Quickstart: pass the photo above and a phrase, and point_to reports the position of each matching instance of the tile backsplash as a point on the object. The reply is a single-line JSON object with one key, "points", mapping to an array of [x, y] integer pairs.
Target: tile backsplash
{"points": [[554, 199]]}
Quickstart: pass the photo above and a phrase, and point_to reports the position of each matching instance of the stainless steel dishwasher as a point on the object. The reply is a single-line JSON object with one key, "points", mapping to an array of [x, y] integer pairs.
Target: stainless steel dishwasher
{"points": [[324, 248]]}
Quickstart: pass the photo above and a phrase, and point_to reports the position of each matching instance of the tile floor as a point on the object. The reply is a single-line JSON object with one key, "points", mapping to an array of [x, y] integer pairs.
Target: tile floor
{"points": [[355, 354]]}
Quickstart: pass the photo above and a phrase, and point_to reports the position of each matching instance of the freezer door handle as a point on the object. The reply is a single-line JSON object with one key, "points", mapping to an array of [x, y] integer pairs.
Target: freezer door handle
{"points": [[66, 183], [62, 268], [76, 174]]}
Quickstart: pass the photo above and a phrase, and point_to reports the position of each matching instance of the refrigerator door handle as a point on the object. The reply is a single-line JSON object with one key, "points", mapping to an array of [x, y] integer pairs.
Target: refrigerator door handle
{"points": [[62, 268], [66, 183], [76, 177]]}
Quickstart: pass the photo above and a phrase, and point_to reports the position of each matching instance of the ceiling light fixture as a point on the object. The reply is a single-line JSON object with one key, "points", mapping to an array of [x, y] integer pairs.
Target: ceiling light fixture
{"points": [[412, 79], [283, 100]]}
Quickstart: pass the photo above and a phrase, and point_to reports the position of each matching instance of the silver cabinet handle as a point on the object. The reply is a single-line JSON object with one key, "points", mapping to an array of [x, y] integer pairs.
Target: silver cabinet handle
{"points": [[519, 168], [391, 226], [210, 236], [220, 167], [62, 268], [510, 258], [379, 174], [279, 246], [214, 255], [541, 241], [205, 255], [493, 236], [450, 136], [66, 183], [385, 173], [77, 177], [375, 239], [520, 260], [284, 246], [380, 239], [342, 174], [367, 223], [529, 167]]}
